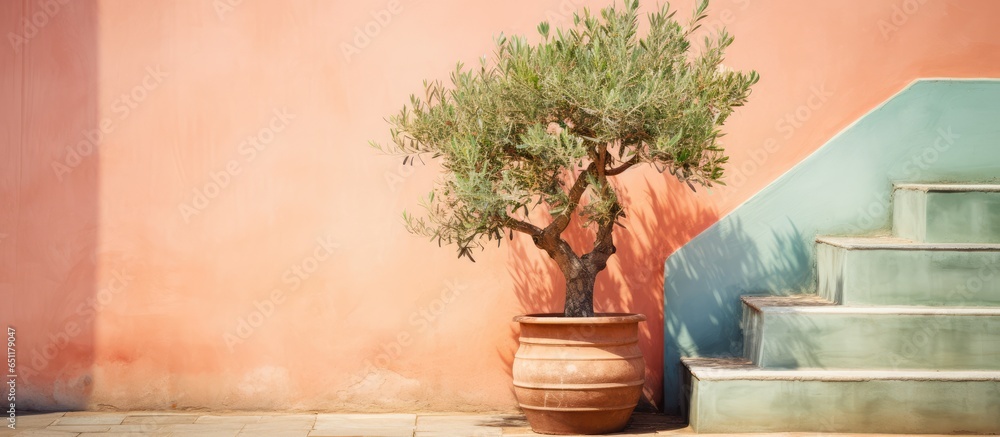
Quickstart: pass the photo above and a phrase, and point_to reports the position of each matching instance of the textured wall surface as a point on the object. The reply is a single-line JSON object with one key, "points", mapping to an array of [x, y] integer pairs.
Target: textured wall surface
{"points": [[191, 216]]}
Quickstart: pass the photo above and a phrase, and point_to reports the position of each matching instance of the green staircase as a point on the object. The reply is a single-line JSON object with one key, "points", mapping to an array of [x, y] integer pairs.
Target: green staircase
{"points": [[903, 335]]}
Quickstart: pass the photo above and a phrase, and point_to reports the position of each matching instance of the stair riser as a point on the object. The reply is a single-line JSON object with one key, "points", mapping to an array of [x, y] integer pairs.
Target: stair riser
{"points": [[750, 325], [878, 406], [908, 277], [947, 217], [888, 341]]}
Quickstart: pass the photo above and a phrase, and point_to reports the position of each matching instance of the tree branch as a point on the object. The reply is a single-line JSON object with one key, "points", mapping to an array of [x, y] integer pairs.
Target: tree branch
{"points": [[523, 226], [561, 221], [604, 244], [625, 166], [602, 161]]}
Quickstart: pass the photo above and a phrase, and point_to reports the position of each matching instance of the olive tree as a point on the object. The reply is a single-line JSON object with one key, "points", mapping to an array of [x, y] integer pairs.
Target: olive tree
{"points": [[549, 125]]}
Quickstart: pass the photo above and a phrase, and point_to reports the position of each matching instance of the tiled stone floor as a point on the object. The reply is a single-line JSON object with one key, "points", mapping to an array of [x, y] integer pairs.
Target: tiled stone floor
{"points": [[113, 424], [213, 424]]}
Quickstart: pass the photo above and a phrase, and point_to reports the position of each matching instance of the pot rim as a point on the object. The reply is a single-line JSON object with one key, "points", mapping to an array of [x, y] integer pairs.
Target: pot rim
{"points": [[599, 319]]}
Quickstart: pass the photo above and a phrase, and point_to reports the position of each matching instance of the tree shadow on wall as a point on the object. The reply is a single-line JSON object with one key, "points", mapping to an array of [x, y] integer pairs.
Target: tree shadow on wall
{"points": [[662, 215], [705, 281]]}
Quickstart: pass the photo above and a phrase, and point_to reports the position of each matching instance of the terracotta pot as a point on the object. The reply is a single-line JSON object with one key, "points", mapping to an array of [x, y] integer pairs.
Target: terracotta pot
{"points": [[578, 375]]}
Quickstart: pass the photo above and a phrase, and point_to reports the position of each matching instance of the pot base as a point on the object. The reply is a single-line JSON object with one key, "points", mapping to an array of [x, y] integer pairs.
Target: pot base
{"points": [[578, 375], [577, 422]]}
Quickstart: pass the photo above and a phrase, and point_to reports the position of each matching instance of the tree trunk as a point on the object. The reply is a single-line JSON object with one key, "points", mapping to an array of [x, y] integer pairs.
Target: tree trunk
{"points": [[580, 294], [580, 272]]}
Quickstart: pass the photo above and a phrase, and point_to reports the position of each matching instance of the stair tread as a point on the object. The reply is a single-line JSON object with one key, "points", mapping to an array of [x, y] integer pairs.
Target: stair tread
{"points": [[797, 300], [896, 243], [810, 303], [950, 188], [721, 369]]}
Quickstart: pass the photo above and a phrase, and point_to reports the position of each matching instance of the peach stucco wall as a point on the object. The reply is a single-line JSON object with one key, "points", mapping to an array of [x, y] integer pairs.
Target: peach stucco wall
{"points": [[191, 216]]}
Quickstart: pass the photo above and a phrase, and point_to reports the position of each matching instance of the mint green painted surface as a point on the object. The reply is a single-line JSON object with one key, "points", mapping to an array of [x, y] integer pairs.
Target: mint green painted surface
{"points": [[963, 217], [830, 261], [837, 340], [933, 131], [944, 217], [884, 406], [909, 277], [909, 214], [753, 328]]}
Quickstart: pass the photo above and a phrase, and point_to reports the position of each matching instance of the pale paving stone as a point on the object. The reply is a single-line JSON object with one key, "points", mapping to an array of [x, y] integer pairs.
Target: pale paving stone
{"points": [[43, 433], [142, 428], [228, 419], [208, 433], [141, 419], [289, 417], [368, 425], [430, 422], [362, 432], [279, 425], [200, 427], [122, 434], [95, 419], [326, 421], [274, 433], [283, 419], [169, 430], [27, 421], [447, 426], [78, 428], [470, 432]]}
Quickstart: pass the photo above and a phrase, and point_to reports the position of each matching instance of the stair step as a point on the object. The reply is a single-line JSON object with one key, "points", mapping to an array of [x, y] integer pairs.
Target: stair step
{"points": [[734, 396], [788, 333], [897, 271], [947, 213]]}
